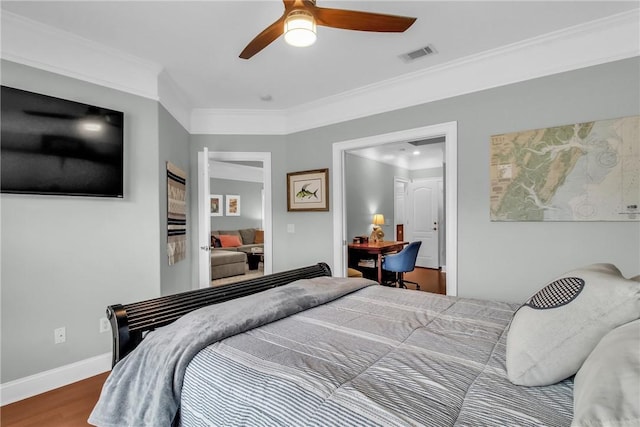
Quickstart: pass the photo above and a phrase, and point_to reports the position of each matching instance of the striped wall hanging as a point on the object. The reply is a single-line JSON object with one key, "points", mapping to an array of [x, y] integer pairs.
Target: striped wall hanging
{"points": [[176, 214]]}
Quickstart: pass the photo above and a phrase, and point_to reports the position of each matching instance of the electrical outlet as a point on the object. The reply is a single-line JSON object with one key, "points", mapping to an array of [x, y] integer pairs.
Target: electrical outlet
{"points": [[59, 335], [105, 326]]}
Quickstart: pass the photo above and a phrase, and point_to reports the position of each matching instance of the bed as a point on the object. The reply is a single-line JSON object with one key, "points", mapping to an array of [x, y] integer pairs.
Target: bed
{"points": [[308, 349]]}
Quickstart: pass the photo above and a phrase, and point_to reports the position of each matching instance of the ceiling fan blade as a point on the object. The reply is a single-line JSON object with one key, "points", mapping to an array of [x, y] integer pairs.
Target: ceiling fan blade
{"points": [[361, 21], [263, 39]]}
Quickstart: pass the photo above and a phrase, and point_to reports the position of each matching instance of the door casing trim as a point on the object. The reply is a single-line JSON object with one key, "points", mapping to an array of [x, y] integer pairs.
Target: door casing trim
{"points": [[265, 158], [450, 131]]}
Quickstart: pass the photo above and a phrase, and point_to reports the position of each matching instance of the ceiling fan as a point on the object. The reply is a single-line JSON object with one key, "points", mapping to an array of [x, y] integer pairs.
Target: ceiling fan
{"points": [[304, 15]]}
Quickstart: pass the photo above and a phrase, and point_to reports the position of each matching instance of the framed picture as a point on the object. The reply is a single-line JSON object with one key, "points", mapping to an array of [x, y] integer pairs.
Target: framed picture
{"points": [[215, 205], [233, 205], [308, 190]]}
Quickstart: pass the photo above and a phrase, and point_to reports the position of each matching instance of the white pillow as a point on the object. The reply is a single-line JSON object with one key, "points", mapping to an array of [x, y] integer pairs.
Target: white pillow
{"points": [[607, 387], [556, 329]]}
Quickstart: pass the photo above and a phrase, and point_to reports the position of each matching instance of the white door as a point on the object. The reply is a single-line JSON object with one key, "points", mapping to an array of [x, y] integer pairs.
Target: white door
{"points": [[422, 221], [400, 197], [204, 220]]}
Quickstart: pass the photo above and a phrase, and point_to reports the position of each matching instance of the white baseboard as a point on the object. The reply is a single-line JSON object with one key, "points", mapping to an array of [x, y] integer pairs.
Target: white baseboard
{"points": [[32, 385], [443, 268]]}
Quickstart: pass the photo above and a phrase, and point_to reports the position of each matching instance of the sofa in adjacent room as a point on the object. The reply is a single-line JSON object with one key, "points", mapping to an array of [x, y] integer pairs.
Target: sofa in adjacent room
{"points": [[242, 240], [227, 264], [229, 250]]}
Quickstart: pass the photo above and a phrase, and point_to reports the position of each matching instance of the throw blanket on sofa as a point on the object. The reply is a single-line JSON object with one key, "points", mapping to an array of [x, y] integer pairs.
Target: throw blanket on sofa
{"points": [[144, 389]]}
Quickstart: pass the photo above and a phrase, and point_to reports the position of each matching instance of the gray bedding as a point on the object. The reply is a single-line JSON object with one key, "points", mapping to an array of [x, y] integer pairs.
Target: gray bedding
{"points": [[375, 357], [143, 390], [330, 352]]}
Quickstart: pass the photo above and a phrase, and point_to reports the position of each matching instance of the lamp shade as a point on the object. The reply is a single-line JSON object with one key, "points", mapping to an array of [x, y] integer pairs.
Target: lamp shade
{"points": [[378, 219], [300, 28]]}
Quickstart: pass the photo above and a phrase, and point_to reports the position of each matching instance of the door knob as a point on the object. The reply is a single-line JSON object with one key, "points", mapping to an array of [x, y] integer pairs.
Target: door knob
{"points": [[205, 248]]}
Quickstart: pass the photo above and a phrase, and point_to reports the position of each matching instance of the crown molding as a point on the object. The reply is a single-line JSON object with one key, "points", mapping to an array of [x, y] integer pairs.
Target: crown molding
{"points": [[596, 42], [593, 43], [174, 100], [37, 45], [246, 122]]}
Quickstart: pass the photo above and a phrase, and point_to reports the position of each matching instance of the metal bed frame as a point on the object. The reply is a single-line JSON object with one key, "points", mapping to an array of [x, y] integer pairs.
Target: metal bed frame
{"points": [[131, 322]]}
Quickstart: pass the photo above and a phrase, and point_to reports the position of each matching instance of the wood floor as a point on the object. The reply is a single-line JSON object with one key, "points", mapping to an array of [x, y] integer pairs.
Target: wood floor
{"points": [[70, 406], [430, 280]]}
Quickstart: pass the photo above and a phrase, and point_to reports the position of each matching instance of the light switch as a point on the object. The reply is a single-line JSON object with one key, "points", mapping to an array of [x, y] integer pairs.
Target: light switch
{"points": [[291, 228]]}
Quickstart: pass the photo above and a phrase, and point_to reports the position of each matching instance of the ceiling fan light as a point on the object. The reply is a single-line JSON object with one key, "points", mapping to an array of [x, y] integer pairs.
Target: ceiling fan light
{"points": [[300, 28]]}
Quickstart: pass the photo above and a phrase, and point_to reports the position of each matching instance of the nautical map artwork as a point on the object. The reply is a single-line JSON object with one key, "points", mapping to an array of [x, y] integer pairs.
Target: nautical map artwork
{"points": [[582, 172]]}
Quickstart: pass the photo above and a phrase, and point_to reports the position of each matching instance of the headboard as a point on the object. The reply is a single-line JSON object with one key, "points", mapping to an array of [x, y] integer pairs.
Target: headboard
{"points": [[129, 322]]}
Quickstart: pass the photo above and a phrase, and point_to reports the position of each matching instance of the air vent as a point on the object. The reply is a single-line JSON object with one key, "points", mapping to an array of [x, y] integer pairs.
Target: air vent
{"points": [[435, 140], [420, 53]]}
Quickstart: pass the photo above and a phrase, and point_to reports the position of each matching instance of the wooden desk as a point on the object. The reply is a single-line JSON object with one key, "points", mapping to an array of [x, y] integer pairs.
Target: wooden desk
{"points": [[366, 250]]}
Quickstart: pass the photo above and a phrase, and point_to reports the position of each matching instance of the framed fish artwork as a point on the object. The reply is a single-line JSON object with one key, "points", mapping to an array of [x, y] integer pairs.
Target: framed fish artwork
{"points": [[308, 190]]}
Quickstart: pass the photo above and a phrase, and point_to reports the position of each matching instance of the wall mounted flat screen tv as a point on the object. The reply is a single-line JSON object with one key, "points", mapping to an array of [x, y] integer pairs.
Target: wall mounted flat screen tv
{"points": [[53, 146]]}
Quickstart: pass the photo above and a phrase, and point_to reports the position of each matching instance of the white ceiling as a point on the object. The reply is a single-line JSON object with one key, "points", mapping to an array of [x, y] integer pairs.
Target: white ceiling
{"points": [[405, 155], [197, 42]]}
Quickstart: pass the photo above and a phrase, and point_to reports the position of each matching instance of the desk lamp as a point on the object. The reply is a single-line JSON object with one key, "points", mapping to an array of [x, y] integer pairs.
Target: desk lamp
{"points": [[377, 235]]}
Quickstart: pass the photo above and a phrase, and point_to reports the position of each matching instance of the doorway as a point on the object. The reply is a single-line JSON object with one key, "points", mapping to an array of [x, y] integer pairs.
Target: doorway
{"points": [[423, 222], [446, 130], [400, 186], [205, 159]]}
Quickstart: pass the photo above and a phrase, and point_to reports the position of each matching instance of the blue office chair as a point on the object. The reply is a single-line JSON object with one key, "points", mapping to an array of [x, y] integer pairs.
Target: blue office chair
{"points": [[400, 263]]}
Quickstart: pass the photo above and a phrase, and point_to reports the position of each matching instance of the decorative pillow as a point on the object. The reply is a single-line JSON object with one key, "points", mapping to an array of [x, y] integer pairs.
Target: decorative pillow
{"points": [[259, 236], [607, 387], [231, 233], [230, 241], [556, 329], [248, 235], [215, 241]]}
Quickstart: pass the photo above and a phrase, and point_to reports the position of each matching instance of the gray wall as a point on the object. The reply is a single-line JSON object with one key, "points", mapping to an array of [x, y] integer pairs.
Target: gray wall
{"points": [[369, 190], [64, 259], [250, 204], [505, 261], [174, 147]]}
